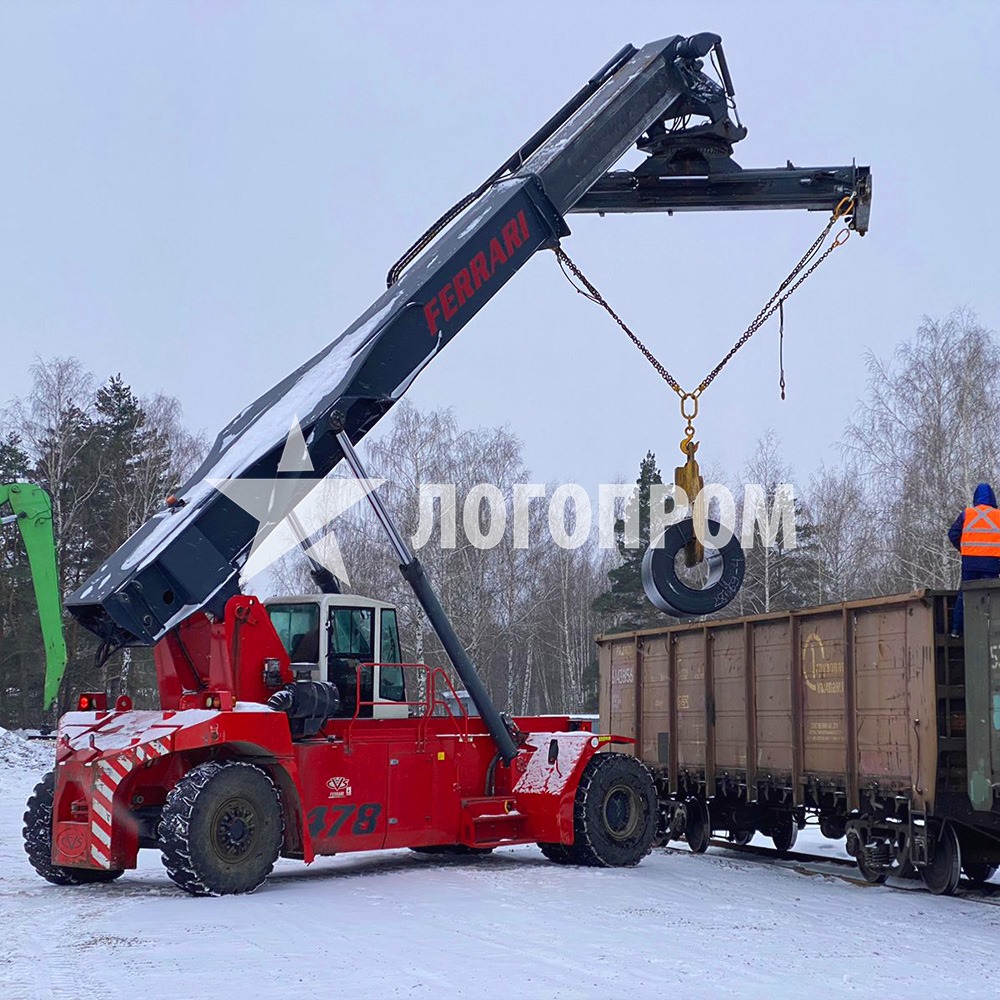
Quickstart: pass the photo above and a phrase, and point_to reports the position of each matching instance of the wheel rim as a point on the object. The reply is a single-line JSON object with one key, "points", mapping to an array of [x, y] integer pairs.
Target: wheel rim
{"points": [[234, 830], [621, 812]]}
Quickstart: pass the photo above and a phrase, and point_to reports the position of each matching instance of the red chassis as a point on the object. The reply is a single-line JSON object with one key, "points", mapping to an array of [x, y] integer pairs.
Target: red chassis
{"points": [[360, 784]]}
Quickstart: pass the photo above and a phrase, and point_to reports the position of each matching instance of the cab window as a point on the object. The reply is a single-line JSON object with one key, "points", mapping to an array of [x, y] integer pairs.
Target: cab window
{"points": [[350, 642], [297, 626], [391, 685], [352, 633]]}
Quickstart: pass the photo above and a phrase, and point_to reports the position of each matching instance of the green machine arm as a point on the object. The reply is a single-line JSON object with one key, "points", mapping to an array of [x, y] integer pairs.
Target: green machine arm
{"points": [[33, 515]]}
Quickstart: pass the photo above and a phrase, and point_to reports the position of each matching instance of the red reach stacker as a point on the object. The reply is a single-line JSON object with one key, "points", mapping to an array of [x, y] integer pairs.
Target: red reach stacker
{"points": [[292, 728]]}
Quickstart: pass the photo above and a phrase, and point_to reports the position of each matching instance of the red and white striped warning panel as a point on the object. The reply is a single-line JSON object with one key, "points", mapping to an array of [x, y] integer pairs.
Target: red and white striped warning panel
{"points": [[108, 775]]}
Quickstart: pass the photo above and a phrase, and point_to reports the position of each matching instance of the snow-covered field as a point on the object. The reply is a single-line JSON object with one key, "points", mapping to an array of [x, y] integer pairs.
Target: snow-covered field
{"points": [[400, 925]]}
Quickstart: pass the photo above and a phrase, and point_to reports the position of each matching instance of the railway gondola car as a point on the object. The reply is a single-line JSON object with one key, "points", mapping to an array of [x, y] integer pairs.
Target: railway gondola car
{"points": [[867, 715]]}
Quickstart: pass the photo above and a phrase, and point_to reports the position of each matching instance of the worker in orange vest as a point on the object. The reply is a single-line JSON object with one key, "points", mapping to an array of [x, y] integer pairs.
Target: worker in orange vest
{"points": [[976, 534]]}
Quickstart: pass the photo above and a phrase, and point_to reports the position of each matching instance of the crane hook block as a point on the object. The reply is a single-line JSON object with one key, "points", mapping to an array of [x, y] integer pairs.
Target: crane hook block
{"points": [[669, 593]]}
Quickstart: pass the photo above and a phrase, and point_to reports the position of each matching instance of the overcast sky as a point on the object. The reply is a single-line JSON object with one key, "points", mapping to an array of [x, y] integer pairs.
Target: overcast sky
{"points": [[201, 196]]}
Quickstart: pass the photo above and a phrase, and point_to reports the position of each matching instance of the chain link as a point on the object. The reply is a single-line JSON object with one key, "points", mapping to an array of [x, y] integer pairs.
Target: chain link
{"points": [[565, 262], [796, 276]]}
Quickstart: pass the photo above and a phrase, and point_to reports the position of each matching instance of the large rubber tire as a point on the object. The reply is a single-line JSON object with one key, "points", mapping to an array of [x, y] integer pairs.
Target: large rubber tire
{"points": [[561, 854], [38, 842], [221, 829], [979, 872], [944, 872], [615, 813]]}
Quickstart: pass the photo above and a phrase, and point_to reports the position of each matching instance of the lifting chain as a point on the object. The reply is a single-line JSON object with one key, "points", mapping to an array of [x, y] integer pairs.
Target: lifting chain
{"points": [[808, 263]]}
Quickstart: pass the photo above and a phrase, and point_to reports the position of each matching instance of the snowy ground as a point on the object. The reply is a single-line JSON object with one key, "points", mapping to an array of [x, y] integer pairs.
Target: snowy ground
{"points": [[512, 924]]}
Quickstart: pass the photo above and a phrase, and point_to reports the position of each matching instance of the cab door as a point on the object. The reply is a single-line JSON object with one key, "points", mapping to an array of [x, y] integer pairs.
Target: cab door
{"points": [[390, 692], [350, 642]]}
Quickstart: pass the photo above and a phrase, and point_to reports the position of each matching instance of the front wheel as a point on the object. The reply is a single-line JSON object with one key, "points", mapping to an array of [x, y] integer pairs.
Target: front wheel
{"points": [[615, 813], [38, 842], [561, 854], [221, 829]]}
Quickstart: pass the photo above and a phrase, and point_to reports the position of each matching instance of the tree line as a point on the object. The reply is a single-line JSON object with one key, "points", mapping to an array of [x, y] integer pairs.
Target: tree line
{"points": [[106, 457], [925, 431]]}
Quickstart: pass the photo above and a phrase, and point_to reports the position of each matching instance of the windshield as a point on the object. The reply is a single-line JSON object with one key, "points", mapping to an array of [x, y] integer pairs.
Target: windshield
{"points": [[297, 626]]}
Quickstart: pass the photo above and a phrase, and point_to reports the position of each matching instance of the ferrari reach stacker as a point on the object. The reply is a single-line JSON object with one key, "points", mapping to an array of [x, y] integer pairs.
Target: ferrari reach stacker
{"points": [[286, 728]]}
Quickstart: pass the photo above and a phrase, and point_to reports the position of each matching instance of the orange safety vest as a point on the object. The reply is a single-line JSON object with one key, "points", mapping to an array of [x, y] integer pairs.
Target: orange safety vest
{"points": [[981, 531]]}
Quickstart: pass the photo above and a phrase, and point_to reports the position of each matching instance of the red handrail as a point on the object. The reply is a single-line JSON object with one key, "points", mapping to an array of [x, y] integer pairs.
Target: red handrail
{"points": [[427, 704]]}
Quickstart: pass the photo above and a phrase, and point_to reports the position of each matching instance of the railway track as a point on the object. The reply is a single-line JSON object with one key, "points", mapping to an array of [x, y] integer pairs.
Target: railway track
{"points": [[817, 865]]}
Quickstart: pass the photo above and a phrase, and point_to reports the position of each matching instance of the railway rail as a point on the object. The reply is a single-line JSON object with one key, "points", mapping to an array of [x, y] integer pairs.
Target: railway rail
{"points": [[833, 867]]}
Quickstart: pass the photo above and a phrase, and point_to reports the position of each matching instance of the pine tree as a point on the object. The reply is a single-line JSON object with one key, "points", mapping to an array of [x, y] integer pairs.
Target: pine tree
{"points": [[133, 465], [624, 605]]}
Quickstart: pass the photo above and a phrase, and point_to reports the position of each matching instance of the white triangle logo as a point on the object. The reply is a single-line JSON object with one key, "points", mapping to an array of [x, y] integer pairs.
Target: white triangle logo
{"points": [[295, 456]]}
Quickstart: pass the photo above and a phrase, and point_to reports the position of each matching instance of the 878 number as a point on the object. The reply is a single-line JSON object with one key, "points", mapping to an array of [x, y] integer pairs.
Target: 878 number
{"points": [[328, 821]]}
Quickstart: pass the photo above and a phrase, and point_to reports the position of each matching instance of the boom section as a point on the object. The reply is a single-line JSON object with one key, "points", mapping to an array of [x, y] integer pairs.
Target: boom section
{"points": [[187, 557]]}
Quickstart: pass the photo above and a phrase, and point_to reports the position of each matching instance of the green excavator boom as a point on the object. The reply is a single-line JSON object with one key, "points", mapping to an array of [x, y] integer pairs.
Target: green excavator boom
{"points": [[32, 513]]}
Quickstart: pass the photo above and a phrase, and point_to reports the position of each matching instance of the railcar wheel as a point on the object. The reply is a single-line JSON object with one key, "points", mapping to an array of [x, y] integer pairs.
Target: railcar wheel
{"points": [[784, 833], [870, 873], [832, 827], [742, 837], [615, 814], [944, 872], [221, 829], [979, 872], [38, 842], [698, 830]]}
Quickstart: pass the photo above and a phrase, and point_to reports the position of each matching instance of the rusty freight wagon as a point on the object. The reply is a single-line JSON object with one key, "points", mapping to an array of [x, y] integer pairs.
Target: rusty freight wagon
{"points": [[867, 715]]}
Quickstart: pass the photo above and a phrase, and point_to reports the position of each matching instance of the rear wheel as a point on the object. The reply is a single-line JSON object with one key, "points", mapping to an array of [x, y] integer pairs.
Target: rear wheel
{"points": [[38, 842], [615, 813], [221, 829], [979, 872], [944, 872]]}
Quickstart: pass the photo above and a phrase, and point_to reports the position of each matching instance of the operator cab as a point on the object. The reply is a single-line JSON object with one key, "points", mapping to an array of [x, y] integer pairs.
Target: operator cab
{"points": [[332, 635]]}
